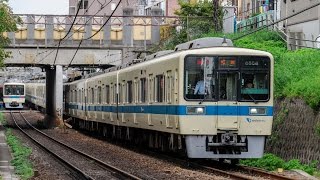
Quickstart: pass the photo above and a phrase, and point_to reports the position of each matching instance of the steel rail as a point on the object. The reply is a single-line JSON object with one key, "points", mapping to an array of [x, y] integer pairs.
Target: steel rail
{"points": [[263, 173], [79, 173], [99, 162]]}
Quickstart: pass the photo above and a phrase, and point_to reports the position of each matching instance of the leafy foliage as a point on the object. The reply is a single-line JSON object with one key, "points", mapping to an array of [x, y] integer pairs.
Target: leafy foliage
{"points": [[20, 153], [297, 73], [7, 24], [271, 162], [317, 128], [196, 19]]}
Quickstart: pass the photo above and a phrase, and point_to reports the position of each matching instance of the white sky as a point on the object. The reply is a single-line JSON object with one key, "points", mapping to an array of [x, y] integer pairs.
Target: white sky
{"points": [[60, 7]]}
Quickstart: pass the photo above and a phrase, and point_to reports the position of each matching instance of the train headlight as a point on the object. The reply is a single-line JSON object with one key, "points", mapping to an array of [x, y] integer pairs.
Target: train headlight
{"points": [[257, 111], [195, 110]]}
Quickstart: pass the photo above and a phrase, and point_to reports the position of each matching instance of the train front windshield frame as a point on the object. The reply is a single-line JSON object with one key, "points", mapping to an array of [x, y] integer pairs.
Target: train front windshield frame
{"points": [[227, 78], [14, 89]]}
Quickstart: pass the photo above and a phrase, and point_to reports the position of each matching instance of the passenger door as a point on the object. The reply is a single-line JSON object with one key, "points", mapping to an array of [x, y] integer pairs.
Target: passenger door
{"points": [[227, 104]]}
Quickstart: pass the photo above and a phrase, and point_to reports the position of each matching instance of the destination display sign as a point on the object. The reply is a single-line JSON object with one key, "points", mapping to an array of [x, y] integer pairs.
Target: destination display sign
{"points": [[227, 62]]}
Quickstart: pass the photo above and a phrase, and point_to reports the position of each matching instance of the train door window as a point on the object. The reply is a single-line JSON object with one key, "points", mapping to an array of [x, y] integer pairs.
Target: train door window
{"points": [[199, 78], [120, 93], [115, 96], [107, 94], [136, 92], [151, 92], [228, 86], [73, 96], [160, 90], [124, 92], [111, 93], [129, 91], [82, 96], [168, 86], [143, 90], [99, 95], [92, 95], [79, 96]]}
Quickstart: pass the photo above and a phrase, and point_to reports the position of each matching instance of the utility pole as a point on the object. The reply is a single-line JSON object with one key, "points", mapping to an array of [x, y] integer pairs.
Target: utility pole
{"points": [[215, 4]]}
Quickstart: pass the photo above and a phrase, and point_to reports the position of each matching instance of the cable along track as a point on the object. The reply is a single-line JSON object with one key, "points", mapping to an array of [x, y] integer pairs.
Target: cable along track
{"points": [[84, 165]]}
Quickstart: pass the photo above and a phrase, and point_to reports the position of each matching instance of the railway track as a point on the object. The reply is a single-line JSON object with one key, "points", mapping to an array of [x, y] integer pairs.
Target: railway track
{"points": [[245, 171], [225, 169], [85, 167]]}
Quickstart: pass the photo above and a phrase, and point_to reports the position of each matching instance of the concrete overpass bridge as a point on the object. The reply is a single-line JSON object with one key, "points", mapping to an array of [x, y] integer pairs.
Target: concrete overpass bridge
{"points": [[119, 41]]}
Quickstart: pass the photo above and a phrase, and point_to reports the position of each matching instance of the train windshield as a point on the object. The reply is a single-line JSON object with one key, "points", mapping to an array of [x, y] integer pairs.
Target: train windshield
{"points": [[242, 78], [200, 78], [14, 90], [255, 79]]}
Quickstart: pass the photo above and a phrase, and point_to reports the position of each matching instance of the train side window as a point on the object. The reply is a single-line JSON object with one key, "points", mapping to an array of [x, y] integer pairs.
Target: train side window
{"points": [[129, 91], [79, 96], [136, 87], [120, 93], [160, 89], [99, 95], [107, 94], [143, 90], [111, 94], [168, 87], [150, 88], [92, 96], [115, 94]]}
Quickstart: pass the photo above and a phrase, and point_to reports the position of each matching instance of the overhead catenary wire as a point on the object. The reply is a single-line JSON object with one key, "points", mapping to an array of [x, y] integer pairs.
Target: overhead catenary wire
{"points": [[95, 32], [92, 16], [280, 20], [74, 20]]}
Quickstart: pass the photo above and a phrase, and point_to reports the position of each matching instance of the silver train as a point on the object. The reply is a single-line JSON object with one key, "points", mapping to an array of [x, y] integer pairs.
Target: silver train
{"points": [[156, 102], [13, 95]]}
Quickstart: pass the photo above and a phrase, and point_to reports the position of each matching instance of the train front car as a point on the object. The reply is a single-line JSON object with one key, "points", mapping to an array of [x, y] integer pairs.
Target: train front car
{"points": [[13, 95], [228, 93]]}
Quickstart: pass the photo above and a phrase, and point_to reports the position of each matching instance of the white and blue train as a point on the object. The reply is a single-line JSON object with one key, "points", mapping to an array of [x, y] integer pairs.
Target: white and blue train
{"points": [[155, 103], [13, 95]]}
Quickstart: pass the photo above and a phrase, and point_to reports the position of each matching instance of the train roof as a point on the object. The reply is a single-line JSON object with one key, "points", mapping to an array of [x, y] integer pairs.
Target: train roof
{"points": [[13, 83], [202, 46]]}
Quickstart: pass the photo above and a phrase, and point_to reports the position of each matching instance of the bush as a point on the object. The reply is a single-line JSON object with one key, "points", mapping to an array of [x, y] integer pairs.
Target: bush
{"points": [[272, 162], [20, 156]]}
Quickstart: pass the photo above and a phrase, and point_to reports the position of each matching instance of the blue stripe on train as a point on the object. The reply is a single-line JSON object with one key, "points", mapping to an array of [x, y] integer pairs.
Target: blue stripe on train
{"points": [[172, 110]]}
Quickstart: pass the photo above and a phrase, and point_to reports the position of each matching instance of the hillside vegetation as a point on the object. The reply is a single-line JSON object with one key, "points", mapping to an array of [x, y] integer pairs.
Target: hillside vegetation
{"points": [[297, 73]]}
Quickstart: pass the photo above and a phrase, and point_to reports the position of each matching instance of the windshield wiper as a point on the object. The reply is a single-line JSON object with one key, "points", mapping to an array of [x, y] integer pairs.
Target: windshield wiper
{"points": [[255, 101], [204, 97]]}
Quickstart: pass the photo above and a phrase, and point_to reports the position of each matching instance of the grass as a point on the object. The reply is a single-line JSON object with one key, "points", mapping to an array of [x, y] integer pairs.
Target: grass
{"points": [[20, 161], [296, 74], [2, 120], [23, 166], [272, 162]]}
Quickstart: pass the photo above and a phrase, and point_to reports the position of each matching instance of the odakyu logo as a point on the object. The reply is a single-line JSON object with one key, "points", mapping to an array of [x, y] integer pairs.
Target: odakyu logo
{"points": [[249, 120]]}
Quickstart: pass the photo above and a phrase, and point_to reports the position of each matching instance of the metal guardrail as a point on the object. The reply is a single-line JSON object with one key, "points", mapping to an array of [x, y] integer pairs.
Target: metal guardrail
{"points": [[256, 21]]}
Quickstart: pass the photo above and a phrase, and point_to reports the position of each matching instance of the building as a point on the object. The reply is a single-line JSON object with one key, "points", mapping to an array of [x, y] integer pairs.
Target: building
{"points": [[168, 7], [302, 30], [99, 7], [248, 8]]}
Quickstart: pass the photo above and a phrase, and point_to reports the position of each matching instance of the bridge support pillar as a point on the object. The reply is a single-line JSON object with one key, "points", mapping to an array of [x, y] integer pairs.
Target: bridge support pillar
{"points": [[127, 26], [156, 12], [54, 95]]}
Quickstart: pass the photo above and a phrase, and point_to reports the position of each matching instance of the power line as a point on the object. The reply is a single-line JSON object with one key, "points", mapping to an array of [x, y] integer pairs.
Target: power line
{"points": [[92, 16], [105, 22], [74, 20], [258, 29], [95, 32]]}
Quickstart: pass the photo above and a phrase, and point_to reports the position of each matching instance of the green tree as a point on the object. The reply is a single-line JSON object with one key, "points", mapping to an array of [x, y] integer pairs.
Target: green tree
{"points": [[7, 24], [198, 18]]}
